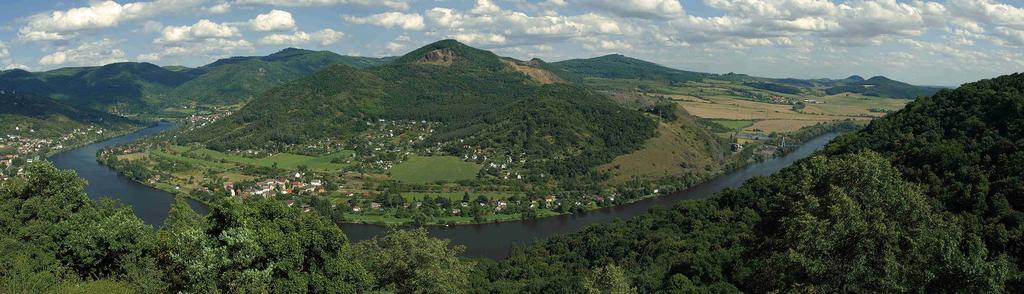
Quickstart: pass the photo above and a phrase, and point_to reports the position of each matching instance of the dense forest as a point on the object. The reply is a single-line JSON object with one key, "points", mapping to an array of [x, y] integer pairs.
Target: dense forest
{"points": [[57, 240]]}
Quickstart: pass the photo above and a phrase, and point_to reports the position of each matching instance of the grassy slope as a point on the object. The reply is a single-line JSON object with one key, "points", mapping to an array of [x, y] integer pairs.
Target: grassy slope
{"points": [[680, 147]]}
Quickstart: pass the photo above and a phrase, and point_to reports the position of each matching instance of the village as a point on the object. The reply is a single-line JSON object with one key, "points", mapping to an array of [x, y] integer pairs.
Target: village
{"points": [[25, 145], [388, 173], [301, 192]]}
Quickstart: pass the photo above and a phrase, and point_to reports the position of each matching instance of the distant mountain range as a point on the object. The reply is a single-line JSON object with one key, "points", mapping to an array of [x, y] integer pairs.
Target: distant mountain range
{"points": [[131, 87], [617, 66], [143, 87]]}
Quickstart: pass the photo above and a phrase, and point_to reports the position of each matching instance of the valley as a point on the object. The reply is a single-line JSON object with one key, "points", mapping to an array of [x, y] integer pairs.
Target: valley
{"points": [[347, 147], [492, 147]]}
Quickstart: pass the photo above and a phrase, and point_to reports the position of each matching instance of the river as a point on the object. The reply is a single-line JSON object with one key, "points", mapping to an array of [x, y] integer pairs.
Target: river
{"points": [[483, 240], [150, 204]]}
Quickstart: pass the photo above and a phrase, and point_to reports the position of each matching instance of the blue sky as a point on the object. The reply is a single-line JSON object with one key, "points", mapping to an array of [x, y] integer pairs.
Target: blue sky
{"points": [[938, 42]]}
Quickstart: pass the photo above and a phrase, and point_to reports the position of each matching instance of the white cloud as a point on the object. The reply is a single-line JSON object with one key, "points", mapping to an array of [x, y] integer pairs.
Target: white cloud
{"points": [[324, 37], [990, 11], [275, 20], [485, 7], [410, 21], [513, 28], [396, 4], [88, 53], [401, 42], [201, 30], [148, 57], [28, 35], [219, 8], [55, 25], [662, 9], [208, 48], [4, 53], [608, 45], [152, 26], [16, 66], [481, 39], [1008, 36]]}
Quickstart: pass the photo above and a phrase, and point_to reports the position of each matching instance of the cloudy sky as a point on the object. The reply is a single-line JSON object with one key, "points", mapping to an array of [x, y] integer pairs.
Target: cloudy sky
{"points": [[937, 42]]}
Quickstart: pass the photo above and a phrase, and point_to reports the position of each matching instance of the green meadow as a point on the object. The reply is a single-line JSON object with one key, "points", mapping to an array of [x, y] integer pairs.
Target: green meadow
{"points": [[429, 169]]}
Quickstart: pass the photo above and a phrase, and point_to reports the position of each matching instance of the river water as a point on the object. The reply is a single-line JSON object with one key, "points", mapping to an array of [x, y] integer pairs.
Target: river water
{"points": [[483, 240], [150, 204]]}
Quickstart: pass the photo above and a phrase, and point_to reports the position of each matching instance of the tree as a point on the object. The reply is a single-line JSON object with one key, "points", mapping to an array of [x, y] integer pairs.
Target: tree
{"points": [[609, 279], [410, 261], [852, 224]]}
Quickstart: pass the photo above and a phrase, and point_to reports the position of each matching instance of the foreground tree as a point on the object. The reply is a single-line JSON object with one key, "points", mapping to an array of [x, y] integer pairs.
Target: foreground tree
{"points": [[851, 224], [410, 261]]}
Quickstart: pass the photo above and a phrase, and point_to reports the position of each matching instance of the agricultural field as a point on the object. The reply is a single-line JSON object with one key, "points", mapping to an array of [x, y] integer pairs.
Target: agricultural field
{"points": [[732, 112], [732, 107], [429, 169]]}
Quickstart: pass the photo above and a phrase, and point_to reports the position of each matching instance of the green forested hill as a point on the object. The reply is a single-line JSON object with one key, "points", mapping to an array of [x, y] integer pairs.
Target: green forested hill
{"points": [[615, 66], [477, 95], [879, 86], [49, 117], [126, 86], [237, 79], [130, 87], [964, 147], [927, 199]]}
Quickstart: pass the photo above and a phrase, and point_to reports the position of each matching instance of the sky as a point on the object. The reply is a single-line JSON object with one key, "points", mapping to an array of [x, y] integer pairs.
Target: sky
{"points": [[940, 42]]}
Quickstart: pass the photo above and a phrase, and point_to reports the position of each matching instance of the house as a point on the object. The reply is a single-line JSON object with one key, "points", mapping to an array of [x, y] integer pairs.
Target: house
{"points": [[549, 198], [316, 183], [374, 205], [736, 147], [356, 208], [456, 211], [290, 203], [262, 192]]}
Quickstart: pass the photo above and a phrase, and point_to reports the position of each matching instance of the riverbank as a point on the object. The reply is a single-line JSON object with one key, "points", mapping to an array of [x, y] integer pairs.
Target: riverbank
{"points": [[491, 240], [419, 209]]}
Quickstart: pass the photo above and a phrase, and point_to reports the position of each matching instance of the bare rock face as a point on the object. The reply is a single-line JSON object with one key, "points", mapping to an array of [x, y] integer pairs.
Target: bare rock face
{"points": [[533, 70], [444, 56]]}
